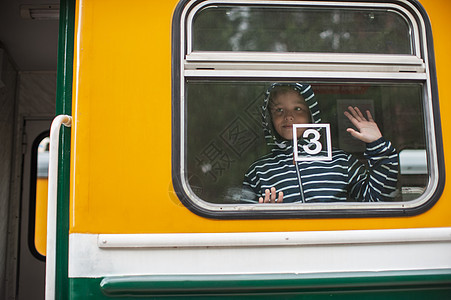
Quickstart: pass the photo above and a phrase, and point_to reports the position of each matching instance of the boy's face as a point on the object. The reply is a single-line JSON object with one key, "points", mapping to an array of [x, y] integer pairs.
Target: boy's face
{"points": [[287, 109]]}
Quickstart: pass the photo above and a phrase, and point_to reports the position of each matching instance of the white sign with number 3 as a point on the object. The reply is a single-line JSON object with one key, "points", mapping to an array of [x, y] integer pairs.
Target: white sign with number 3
{"points": [[314, 148]]}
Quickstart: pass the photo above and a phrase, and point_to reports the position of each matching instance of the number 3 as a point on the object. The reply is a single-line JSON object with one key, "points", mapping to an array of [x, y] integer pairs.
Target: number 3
{"points": [[314, 140]]}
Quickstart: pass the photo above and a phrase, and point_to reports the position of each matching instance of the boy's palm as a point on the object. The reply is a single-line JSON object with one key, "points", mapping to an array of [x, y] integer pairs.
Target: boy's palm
{"points": [[367, 130]]}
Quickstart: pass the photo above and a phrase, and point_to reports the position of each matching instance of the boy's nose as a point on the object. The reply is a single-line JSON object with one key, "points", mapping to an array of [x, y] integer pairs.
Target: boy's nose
{"points": [[288, 115]]}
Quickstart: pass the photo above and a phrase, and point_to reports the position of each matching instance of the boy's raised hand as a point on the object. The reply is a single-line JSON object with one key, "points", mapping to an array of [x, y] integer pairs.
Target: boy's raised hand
{"points": [[367, 130]]}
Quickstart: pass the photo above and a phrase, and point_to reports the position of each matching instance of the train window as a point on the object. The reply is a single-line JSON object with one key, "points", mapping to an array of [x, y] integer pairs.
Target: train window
{"points": [[37, 215], [300, 29], [237, 65], [40, 233]]}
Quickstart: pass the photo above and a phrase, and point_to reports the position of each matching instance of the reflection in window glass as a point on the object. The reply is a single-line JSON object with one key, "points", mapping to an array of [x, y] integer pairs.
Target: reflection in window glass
{"points": [[224, 132], [300, 29], [41, 196]]}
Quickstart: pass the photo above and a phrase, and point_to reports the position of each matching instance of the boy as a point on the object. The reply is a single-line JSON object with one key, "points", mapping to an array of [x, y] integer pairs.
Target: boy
{"points": [[276, 178]]}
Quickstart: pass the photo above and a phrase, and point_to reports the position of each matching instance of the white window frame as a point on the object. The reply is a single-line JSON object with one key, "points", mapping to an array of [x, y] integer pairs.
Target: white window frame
{"points": [[330, 66]]}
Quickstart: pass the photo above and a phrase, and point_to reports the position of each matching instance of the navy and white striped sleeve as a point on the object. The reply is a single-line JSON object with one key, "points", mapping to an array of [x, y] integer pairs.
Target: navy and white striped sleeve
{"points": [[377, 182], [250, 187]]}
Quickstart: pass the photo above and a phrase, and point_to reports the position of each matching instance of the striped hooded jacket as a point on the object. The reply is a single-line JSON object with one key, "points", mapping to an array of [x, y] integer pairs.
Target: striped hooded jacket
{"points": [[344, 178]]}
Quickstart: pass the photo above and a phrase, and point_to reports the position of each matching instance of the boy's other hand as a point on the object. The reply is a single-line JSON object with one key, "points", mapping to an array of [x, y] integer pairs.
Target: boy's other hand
{"points": [[271, 197], [367, 130]]}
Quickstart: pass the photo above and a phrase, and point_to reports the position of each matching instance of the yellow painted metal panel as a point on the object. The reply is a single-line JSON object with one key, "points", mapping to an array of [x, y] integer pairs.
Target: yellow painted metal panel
{"points": [[121, 137], [40, 227]]}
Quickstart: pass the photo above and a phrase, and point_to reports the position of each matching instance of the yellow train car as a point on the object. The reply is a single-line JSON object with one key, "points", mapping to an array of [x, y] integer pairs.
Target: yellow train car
{"points": [[162, 104]]}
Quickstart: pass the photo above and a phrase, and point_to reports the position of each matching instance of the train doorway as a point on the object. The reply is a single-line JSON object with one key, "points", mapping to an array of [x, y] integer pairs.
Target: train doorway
{"points": [[31, 256]]}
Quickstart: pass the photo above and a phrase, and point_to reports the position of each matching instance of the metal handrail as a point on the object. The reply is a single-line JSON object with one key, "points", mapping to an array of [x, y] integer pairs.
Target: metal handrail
{"points": [[50, 276]]}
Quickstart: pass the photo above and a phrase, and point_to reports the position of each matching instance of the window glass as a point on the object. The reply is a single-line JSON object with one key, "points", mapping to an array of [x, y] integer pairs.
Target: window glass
{"points": [[221, 132], [40, 233], [224, 131], [300, 29]]}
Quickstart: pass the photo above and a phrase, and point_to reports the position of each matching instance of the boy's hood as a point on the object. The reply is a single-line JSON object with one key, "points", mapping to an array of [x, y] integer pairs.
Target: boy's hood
{"points": [[305, 90]]}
